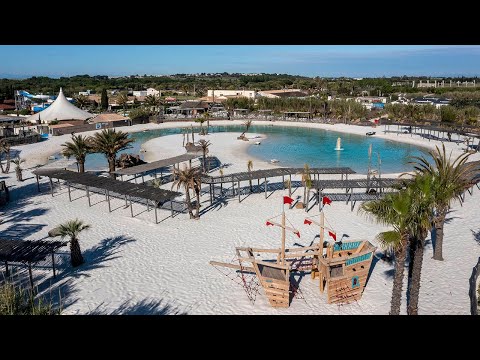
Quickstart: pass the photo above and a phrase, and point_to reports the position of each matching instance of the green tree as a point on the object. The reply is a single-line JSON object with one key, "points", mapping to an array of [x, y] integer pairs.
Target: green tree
{"points": [[109, 142], [79, 147], [450, 180], [448, 114], [81, 101], [72, 229], [204, 145], [18, 168], [186, 178], [104, 100], [247, 124], [394, 210]]}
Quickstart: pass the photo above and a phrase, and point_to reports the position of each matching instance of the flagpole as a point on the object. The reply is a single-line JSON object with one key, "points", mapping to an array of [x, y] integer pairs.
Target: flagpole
{"points": [[283, 239], [322, 228]]}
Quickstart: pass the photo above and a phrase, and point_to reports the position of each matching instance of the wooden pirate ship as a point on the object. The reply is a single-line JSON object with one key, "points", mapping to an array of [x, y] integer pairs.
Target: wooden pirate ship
{"points": [[342, 267]]}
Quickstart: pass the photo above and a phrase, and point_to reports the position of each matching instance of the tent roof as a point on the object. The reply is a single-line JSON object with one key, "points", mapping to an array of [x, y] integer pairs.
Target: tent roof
{"points": [[60, 109]]}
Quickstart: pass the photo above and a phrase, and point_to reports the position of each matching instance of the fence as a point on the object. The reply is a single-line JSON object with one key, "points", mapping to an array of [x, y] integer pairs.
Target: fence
{"points": [[21, 140], [473, 288]]}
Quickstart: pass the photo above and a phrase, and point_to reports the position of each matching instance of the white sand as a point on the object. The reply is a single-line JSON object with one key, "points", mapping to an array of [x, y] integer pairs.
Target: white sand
{"points": [[168, 263]]}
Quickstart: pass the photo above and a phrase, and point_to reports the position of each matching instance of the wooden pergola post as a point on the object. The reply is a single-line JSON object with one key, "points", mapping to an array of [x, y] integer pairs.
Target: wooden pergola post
{"points": [[51, 185], [88, 196], [156, 216], [53, 264], [283, 182], [108, 200], [7, 272], [148, 206], [131, 206], [265, 186], [210, 192], [171, 207], [38, 183], [69, 194], [239, 191], [233, 188], [30, 274]]}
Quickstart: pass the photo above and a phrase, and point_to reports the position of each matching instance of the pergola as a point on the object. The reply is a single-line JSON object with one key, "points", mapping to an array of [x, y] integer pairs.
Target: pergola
{"points": [[26, 251]]}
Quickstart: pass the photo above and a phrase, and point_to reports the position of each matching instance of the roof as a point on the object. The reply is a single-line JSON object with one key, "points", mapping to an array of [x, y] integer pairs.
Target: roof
{"points": [[58, 126], [26, 250], [109, 117], [6, 107], [60, 109], [193, 105], [106, 183], [156, 164]]}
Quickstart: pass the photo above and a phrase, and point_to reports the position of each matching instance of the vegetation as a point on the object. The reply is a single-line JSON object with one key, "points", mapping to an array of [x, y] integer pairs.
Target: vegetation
{"points": [[122, 100], [204, 145], [307, 184], [450, 179], [187, 179], [249, 169], [81, 101], [201, 120], [104, 100], [5, 149], [72, 229], [247, 124], [79, 147], [15, 300], [109, 142], [18, 168]]}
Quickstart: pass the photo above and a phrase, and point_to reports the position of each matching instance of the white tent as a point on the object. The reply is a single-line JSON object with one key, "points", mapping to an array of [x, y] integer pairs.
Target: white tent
{"points": [[60, 109]]}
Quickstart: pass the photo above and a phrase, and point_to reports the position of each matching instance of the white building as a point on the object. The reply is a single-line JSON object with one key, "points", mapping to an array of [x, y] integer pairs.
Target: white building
{"points": [[140, 93], [152, 91], [251, 94], [85, 93]]}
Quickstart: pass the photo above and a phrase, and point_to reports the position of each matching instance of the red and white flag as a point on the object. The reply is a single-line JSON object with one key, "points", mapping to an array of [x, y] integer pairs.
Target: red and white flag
{"points": [[333, 235], [287, 200], [307, 222], [269, 223], [326, 200]]}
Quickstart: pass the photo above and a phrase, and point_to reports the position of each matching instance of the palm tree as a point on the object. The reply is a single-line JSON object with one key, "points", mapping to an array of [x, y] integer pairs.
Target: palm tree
{"points": [[422, 187], [18, 168], [81, 101], [153, 101], [72, 229], [122, 100], [395, 210], [197, 187], [450, 180], [186, 178], [109, 142], [206, 115], [79, 147], [250, 168], [204, 144], [247, 124], [5, 149], [200, 120]]}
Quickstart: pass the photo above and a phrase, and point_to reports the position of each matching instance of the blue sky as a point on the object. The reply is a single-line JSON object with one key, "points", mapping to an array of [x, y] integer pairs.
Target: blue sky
{"points": [[309, 60]]}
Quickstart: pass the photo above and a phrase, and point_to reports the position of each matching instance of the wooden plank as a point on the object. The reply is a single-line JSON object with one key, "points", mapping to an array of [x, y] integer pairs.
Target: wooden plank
{"points": [[232, 266]]}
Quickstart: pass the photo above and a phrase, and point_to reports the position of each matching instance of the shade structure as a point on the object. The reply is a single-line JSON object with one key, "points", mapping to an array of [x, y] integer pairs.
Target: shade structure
{"points": [[60, 109]]}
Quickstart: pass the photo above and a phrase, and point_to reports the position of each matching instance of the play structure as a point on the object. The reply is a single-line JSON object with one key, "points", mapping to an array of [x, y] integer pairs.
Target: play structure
{"points": [[342, 267]]}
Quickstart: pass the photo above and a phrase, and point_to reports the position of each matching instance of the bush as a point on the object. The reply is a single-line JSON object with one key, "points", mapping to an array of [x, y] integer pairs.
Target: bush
{"points": [[15, 300]]}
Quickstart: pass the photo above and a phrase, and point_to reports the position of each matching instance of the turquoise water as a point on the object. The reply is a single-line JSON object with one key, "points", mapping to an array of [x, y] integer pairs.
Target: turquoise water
{"points": [[296, 146]]}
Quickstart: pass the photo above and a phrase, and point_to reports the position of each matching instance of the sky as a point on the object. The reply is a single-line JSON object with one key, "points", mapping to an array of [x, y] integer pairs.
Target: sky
{"points": [[17, 61]]}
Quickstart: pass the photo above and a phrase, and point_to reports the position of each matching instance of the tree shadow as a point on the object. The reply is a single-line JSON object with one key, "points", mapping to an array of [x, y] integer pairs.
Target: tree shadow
{"points": [[476, 235], [21, 231], [143, 307]]}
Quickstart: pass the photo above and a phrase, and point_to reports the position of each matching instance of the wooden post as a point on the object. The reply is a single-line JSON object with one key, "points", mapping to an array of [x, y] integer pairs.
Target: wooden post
{"points": [[30, 274], [126, 202], [108, 200], [51, 185], [322, 235], [53, 264], [283, 182], [38, 183], [233, 188], [156, 216], [148, 206], [171, 207], [131, 206], [6, 268], [210, 190], [88, 196], [143, 180], [239, 191], [69, 194], [265, 188]]}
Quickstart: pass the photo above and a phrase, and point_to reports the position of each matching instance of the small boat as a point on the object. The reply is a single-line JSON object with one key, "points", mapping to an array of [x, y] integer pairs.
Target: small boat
{"points": [[274, 161], [370, 133], [257, 142], [146, 130]]}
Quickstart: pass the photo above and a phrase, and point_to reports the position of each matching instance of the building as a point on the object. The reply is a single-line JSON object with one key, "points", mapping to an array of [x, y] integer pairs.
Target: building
{"points": [[251, 94], [154, 92], [283, 93], [430, 100], [85, 93], [61, 109], [140, 93], [109, 120], [372, 102]]}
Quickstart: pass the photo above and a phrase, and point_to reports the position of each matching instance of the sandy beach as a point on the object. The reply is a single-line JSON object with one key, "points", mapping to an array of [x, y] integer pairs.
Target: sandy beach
{"points": [[136, 266]]}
